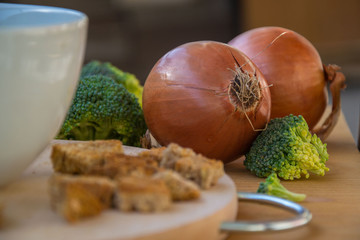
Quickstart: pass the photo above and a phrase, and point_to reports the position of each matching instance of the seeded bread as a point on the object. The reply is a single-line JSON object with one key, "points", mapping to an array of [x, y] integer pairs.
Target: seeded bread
{"points": [[121, 165], [204, 171], [94, 175], [174, 152], [81, 157], [78, 197], [141, 194], [103, 158], [153, 153], [180, 188]]}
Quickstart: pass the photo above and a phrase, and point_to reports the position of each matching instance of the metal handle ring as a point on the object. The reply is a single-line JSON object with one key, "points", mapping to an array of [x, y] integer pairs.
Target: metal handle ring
{"points": [[303, 216]]}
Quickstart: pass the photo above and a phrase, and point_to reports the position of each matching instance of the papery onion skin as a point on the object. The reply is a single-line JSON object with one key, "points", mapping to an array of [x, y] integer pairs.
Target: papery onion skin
{"points": [[294, 68], [186, 101]]}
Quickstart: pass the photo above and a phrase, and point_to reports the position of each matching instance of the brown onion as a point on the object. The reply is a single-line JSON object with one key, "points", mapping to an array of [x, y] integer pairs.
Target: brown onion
{"points": [[206, 96], [293, 66]]}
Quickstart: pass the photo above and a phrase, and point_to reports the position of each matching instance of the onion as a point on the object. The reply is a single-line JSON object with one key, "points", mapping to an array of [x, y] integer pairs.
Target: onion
{"points": [[293, 66], [206, 96]]}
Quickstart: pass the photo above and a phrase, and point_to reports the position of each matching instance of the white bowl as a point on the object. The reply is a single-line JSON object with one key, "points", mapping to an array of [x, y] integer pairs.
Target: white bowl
{"points": [[41, 54]]}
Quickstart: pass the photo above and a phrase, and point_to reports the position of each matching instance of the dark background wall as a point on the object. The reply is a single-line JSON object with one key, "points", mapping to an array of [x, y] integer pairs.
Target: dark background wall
{"points": [[134, 34]]}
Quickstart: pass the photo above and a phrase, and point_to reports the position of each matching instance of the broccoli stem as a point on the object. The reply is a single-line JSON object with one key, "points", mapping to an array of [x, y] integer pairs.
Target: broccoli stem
{"points": [[281, 191], [273, 187]]}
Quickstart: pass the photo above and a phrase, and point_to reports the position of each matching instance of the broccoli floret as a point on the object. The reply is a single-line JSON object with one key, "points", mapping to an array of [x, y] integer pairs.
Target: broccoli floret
{"points": [[287, 148], [272, 186], [103, 109], [130, 82]]}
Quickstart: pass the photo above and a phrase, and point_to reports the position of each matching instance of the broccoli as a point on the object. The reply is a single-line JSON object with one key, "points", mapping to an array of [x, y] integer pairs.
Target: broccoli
{"points": [[103, 109], [130, 82], [287, 148], [272, 186]]}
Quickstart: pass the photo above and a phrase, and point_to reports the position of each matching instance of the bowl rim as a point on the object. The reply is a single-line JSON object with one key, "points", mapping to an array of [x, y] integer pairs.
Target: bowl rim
{"points": [[77, 16]]}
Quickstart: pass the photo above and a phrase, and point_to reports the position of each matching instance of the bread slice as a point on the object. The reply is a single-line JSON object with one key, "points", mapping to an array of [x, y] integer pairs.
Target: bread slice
{"points": [[78, 197], [172, 153], [204, 171], [141, 194], [154, 153], [120, 165], [104, 158], [80, 157], [180, 188]]}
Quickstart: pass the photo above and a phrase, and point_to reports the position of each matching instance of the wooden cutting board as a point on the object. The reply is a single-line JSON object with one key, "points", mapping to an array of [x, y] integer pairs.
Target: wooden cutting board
{"points": [[27, 213]]}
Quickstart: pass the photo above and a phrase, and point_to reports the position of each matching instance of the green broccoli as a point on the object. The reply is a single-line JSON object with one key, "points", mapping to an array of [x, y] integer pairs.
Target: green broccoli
{"points": [[130, 82], [272, 186], [103, 109], [287, 148]]}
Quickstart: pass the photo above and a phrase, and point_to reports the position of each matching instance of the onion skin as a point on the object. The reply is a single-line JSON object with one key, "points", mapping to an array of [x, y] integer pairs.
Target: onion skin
{"points": [[293, 66], [186, 101]]}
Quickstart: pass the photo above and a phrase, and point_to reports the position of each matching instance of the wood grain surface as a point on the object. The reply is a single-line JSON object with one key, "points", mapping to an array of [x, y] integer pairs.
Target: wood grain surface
{"points": [[334, 199]]}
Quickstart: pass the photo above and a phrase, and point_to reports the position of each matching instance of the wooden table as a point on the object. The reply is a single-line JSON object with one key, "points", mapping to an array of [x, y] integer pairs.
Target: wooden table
{"points": [[334, 199]]}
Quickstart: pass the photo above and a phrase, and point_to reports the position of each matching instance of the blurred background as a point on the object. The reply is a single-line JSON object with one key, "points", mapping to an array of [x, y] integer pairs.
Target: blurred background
{"points": [[134, 34]]}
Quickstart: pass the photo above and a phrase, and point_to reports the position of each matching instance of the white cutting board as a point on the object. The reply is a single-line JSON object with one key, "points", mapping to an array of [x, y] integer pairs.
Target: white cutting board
{"points": [[27, 214]]}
